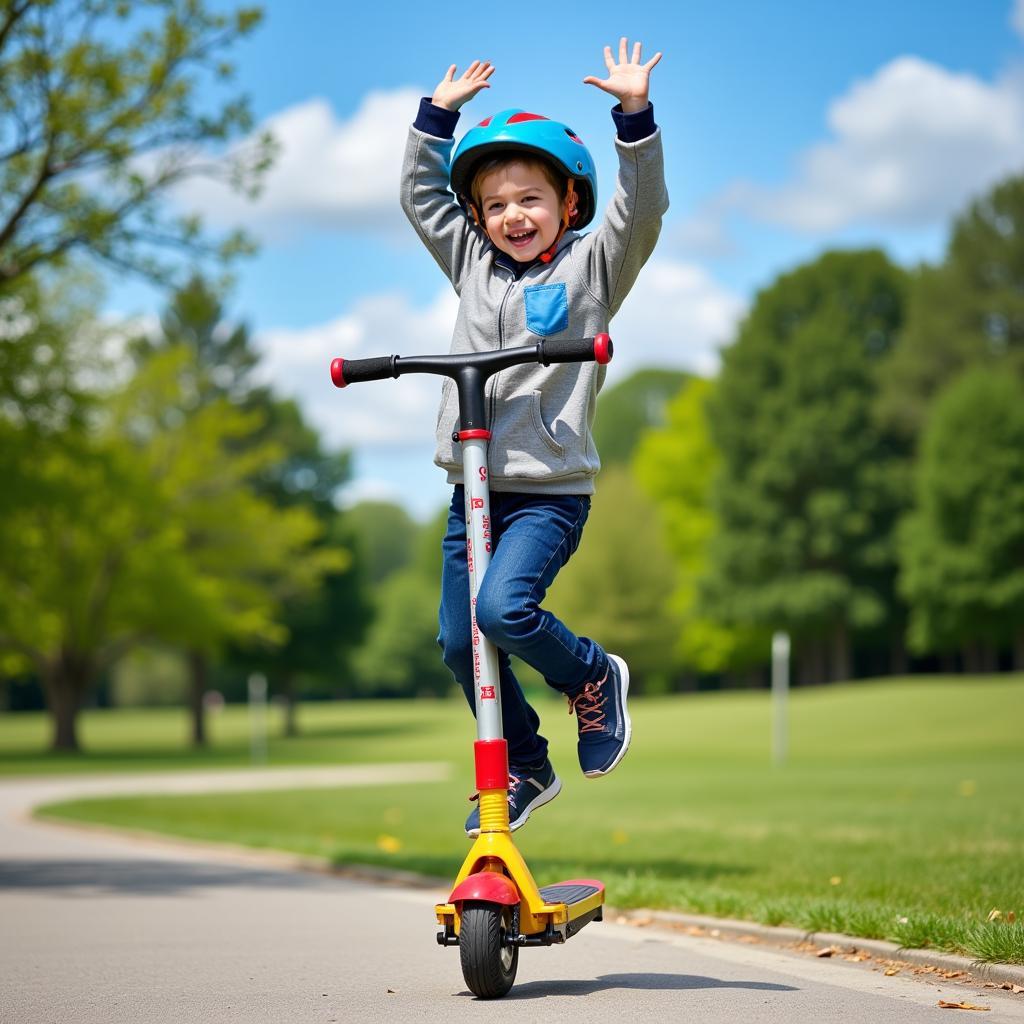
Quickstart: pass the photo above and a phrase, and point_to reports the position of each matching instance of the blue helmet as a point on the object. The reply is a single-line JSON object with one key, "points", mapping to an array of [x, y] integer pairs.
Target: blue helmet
{"points": [[533, 135]]}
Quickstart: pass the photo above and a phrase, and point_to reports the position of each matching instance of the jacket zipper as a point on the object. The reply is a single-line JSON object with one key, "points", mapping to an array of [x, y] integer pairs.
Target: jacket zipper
{"points": [[492, 405]]}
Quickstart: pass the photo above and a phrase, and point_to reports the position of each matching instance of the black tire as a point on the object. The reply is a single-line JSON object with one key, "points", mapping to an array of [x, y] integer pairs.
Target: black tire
{"points": [[489, 964]]}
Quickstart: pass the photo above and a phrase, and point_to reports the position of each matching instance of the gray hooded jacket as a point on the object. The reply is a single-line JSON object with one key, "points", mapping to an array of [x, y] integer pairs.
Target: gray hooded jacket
{"points": [[540, 417]]}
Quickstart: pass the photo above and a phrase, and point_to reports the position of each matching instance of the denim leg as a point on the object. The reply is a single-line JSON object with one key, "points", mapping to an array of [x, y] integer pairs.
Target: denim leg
{"points": [[519, 721], [535, 536]]}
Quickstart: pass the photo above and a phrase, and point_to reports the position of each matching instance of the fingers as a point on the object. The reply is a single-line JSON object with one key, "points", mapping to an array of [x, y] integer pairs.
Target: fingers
{"points": [[451, 74], [622, 51], [479, 71], [636, 53], [654, 60], [609, 63]]}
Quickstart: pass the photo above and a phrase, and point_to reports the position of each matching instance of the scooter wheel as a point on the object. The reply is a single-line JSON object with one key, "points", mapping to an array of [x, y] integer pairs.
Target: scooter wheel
{"points": [[489, 962]]}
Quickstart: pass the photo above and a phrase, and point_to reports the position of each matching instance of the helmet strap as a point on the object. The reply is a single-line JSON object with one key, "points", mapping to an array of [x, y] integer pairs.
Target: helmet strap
{"points": [[569, 215]]}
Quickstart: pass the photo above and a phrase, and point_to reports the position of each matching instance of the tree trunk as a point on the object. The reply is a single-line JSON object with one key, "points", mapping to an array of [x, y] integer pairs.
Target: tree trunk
{"points": [[1018, 650], [812, 663], [288, 692], [198, 669], [65, 684], [842, 668], [899, 663]]}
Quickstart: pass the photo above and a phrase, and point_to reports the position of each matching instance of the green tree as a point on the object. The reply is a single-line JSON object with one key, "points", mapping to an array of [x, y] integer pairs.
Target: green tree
{"points": [[616, 587], [322, 627], [633, 405], [677, 465], [810, 487], [963, 546], [106, 107], [386, 537], [139, 529], [968, 311], [400, 656]]}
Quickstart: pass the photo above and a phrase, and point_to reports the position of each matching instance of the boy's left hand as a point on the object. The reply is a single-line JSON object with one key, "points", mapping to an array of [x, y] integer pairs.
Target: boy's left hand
{"points": [[628, 80]]}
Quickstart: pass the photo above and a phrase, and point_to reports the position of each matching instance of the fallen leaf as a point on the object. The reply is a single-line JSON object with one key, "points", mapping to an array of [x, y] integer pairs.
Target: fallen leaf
{"points": [[961, 1006], [826, 951], [892, 970], [836, 880], [388, 844], [1011, 916], [994, 915]]}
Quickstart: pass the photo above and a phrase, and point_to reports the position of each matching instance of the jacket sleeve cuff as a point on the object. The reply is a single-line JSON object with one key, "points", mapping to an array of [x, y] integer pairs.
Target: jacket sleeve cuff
{"points": [[436, 121], [634, 127]]}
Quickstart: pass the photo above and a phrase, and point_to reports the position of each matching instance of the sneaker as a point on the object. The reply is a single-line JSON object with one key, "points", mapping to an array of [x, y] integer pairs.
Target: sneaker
{"points": [[603, 720], [528, 788]]}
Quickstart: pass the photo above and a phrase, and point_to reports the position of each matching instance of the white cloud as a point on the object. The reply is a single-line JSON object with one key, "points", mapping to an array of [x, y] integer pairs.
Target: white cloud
{"points": [[332, 173], [1017, 17], [908, 147], [676, 315], [384, 413]]}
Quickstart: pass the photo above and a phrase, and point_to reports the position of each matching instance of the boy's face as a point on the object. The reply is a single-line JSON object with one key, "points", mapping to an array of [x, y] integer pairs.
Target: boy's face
{"points": [[520, 210]]}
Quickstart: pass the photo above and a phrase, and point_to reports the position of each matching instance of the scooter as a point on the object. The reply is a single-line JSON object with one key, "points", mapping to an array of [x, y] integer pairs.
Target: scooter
{"points": [[495, 906]]}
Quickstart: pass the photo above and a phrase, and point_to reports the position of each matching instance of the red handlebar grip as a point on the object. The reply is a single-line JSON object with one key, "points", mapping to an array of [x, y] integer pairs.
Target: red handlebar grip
{"points": [[337, 372], [602, 348]]}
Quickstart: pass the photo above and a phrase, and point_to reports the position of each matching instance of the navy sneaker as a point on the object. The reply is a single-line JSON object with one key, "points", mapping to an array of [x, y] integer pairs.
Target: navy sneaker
{"points": [[603, 720], [528, 788]]}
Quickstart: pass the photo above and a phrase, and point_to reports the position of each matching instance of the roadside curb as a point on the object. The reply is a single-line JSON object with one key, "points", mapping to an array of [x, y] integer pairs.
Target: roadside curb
{"points": [[725, 928]]}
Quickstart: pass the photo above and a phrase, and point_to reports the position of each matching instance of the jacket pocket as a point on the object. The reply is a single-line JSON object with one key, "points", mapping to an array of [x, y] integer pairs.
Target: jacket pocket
{"points": [[542, 428], [547, 308]]}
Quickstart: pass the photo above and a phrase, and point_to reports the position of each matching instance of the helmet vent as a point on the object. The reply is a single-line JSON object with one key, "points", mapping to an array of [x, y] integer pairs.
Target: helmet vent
{"points": [[525, 116]]}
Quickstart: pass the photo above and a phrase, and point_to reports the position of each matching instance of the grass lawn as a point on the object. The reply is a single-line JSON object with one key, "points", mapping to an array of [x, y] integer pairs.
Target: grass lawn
{"points": [[899, 815]]}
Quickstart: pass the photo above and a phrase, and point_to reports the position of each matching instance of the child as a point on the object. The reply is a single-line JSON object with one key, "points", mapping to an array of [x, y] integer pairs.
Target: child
{"points": [[510, 248]]}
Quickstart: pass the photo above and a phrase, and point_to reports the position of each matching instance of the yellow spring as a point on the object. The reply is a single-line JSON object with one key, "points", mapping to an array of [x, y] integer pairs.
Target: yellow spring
{"points": [[493, 810]]}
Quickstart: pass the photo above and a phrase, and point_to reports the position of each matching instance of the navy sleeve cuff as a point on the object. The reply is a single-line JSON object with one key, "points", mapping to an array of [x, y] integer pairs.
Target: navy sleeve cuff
{"points": [[436, 121], [634, 127]]}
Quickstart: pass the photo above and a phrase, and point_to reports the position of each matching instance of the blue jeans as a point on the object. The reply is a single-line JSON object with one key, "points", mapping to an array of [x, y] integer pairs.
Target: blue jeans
{"points": [[533, 537]]}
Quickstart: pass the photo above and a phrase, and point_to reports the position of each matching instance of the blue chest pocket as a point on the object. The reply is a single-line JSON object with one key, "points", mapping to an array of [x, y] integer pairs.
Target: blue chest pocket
{"points": [[547, 308]]}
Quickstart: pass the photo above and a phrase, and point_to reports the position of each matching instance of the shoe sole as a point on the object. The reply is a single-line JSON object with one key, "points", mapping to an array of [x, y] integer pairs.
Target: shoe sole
{"points": [[624, 676], [546, 797]]}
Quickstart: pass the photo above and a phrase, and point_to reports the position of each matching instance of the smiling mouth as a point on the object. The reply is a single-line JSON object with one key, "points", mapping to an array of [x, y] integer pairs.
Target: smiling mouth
{"points": [[520, 239]]}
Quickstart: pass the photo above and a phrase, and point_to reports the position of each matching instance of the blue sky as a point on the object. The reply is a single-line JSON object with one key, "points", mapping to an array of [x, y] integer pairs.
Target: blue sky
{"points": [[788, 128]]}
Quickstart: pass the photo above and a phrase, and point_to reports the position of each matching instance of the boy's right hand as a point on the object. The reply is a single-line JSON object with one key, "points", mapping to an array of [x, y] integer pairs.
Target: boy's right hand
{"points": [[451, 93]]}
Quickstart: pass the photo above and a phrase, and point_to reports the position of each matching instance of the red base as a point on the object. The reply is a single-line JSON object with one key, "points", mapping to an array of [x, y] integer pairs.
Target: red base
{"points": [[491, 758]]}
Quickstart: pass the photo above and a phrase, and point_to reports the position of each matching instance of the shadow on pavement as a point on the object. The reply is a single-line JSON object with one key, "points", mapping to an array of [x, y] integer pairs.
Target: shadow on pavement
{"points": [[145, 877], [646, 982]]}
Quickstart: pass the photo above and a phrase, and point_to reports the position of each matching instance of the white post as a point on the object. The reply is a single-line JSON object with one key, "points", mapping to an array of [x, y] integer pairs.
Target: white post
{"points": [[258, 718], [780, 697]]}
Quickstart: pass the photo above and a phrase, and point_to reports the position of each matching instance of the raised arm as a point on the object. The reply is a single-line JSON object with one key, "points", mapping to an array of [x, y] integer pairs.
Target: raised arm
{"points": [[443, 226], [618, 249]]}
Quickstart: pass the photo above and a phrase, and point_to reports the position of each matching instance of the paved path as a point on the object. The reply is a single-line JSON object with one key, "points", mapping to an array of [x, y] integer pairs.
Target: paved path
{"points": [[96, 929]]}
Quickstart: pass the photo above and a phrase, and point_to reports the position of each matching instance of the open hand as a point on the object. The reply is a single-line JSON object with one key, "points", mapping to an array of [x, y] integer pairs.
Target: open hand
{"points": [[452, 92], [627, 80]]}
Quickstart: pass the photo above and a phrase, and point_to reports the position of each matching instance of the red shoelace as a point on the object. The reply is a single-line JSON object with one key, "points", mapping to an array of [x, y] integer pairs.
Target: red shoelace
{"points": [[587, 707]]}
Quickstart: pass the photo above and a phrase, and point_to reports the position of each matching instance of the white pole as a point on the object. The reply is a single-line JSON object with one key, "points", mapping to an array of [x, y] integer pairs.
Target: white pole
{"points": [[780, 697], [258, 718]]}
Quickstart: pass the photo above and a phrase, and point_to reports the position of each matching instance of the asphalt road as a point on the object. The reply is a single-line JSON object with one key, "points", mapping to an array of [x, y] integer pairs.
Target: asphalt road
{"points": [[96, 929]]}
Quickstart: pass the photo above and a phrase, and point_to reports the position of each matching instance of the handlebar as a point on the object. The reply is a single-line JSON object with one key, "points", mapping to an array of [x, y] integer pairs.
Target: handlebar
{"points": [[572, 350]]}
